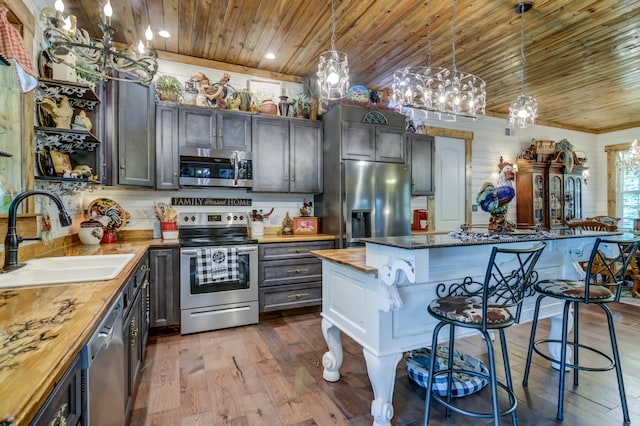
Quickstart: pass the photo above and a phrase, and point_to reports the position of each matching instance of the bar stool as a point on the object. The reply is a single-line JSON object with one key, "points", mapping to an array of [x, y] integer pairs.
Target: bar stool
{"points": [[494, 304], [605, 270]]}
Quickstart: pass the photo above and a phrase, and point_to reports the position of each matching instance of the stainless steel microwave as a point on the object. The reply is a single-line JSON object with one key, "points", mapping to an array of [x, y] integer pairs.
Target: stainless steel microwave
{"points": [[215, 167]]}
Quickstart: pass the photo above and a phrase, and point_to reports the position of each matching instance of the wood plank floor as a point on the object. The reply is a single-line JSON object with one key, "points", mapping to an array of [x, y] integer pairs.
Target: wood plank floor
{"points": [[271, 374]]}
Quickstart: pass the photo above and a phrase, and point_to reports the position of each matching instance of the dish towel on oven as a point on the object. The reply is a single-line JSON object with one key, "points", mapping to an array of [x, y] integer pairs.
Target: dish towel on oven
{"points": [[217, 264]]}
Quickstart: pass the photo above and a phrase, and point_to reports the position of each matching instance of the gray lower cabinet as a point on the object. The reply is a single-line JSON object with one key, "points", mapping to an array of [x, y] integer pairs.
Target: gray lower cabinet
{"points": [[135, 329], [289, 275], [420, 153], [165, 287], [287, 155], [64, 406]]}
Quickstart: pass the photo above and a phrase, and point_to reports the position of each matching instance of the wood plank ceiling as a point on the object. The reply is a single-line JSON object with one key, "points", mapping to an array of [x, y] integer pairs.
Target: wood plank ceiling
{"points": [[582, 56]]}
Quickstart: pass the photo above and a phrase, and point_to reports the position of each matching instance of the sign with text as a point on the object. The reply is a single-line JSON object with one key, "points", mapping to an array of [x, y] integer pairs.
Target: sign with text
{"points": [[197, 201]]}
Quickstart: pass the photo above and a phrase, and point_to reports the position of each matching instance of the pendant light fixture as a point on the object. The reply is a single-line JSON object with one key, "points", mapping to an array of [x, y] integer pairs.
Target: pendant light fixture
{"points": [[333, 68], [447, 93], [524, 109]]}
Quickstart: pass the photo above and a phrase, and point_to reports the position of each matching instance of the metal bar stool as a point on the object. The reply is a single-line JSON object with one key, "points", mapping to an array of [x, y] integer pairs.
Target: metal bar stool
{"points": [[606, 269], [494, 304]]}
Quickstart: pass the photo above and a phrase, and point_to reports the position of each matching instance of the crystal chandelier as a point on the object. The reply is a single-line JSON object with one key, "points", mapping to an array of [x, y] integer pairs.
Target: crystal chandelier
{"points": [[523, 109], [333, 68], [64, 42], [629, 161], [449, 94]]}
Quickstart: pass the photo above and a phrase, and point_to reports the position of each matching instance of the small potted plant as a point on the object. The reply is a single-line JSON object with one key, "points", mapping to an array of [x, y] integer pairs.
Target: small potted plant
{"points": [[300, 104], [169, 88]]}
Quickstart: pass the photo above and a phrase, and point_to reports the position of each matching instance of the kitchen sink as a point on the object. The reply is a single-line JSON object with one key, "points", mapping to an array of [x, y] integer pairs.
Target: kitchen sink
{"points": [[66, 269]]}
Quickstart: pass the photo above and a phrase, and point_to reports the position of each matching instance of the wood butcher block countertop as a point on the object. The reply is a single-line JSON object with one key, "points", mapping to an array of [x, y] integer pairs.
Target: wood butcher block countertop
{"points": [[351, 257], [43, 328]]}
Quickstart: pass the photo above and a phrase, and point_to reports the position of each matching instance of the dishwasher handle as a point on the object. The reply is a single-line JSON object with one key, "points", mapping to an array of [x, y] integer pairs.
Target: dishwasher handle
{"points": [[104, 334]]}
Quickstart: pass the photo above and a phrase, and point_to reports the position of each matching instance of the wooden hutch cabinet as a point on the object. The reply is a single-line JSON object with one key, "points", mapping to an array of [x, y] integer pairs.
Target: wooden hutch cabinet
{"points": [[546, 194]]}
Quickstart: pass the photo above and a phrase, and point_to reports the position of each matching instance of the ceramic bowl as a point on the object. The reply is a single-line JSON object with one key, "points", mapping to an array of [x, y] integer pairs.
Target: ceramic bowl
{"points": [[169, 235], [90, 232]]}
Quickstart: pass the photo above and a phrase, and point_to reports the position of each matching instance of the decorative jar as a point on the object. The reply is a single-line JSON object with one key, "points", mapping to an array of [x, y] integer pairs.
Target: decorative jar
{"points": [[91, 232]]}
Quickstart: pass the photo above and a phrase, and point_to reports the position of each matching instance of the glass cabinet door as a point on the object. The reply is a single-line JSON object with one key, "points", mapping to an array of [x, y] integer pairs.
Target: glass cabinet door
{"points": [[538, 199], [572, 197], [569, 198], [555, 200]]}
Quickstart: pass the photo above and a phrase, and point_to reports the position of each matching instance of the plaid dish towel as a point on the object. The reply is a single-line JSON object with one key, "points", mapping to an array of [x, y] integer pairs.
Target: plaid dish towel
{"points": [[217, 264]]}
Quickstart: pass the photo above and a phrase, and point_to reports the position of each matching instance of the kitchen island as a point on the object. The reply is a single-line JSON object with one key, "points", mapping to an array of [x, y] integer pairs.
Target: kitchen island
{"points": [[378, 295]]}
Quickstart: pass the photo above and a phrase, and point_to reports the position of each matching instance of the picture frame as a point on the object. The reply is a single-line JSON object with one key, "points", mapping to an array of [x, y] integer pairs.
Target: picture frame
{"points": [[305, 225], [265, 89]]}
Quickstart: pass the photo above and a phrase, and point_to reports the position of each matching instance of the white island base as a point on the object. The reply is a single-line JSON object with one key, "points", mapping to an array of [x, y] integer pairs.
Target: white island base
{"points": [[383, 307]]}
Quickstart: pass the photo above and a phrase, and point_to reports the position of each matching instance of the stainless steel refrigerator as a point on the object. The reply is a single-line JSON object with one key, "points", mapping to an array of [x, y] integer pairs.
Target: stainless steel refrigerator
{"points": [[370, 199]]}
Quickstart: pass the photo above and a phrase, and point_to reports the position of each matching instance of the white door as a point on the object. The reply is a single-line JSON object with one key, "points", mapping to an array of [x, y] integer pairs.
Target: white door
{"points": [[449, 180]]}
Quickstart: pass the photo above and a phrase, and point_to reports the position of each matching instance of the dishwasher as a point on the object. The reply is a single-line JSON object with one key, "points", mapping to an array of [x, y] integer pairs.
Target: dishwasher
{"points": [[103, 360]]}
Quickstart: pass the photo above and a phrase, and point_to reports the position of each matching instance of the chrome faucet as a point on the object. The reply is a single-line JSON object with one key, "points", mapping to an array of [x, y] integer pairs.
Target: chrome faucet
{"points": [[13, 240]]}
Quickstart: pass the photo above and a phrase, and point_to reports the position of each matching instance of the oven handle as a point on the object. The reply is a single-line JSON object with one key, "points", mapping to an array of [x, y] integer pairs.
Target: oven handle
{"points": [[241, 250]]}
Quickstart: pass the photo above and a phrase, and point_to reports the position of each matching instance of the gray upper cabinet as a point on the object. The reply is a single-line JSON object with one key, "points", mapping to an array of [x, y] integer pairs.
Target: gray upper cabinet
{"points": [[367, 135], [207, 128], [233, 130], [132, 128], [167, 158], [421, 159], [287, 155], [197, 127]]}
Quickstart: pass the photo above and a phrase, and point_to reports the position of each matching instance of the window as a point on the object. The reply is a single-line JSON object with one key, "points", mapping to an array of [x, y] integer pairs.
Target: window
{"points": [[627, 197]]}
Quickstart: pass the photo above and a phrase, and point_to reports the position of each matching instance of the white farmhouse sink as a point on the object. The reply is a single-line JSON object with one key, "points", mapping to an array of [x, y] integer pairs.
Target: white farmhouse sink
{"points": [[66, 269]]}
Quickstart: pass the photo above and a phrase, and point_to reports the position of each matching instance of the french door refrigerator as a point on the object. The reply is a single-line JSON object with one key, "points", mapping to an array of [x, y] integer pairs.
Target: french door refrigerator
{"points": [[371, 199]]}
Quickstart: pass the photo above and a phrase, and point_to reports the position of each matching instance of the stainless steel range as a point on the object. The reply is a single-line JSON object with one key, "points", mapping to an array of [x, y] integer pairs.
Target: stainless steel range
{"points": [[218, 272]]}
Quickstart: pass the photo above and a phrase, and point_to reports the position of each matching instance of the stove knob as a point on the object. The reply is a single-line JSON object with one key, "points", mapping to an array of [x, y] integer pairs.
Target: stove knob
{"points": [[193, 218], [235, 217], [186, 218], [229, 218], [241, 217]]}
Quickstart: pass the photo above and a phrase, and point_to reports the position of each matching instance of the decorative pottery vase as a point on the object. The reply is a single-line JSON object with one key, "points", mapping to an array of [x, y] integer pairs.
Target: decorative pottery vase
{"points": [[268, 107], [245, 100], [283, 106], [109, 235]]}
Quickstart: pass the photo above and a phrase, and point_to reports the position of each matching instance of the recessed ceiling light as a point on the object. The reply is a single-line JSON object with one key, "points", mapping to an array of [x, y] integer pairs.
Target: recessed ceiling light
{"points": [[164, 34], [270, 55]]}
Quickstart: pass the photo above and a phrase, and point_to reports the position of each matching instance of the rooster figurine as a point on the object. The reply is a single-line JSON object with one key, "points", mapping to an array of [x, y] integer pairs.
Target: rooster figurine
{"points": [[494, 199]]}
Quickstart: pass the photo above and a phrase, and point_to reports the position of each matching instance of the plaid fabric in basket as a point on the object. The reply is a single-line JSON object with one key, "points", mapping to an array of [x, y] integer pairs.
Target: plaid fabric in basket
{"points": [[216, 264], [463, 383]]}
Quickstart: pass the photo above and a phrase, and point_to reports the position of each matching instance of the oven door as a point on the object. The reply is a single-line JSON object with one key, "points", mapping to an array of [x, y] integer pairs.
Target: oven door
{"points": [[195, 294]]}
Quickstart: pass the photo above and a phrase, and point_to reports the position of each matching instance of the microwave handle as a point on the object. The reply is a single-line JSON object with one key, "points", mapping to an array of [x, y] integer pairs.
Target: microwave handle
{"points": [[236, 171]]}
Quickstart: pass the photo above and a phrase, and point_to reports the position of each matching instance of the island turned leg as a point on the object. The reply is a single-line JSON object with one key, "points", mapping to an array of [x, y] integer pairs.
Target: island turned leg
{"points": [[332, 360], [382, 375]]}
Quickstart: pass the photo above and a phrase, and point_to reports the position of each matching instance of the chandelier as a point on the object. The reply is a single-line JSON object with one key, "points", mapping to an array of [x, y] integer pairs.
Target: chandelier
{"points": [[523, 109], [64, 42], [629, 161], [449, 94], [333, 68]]}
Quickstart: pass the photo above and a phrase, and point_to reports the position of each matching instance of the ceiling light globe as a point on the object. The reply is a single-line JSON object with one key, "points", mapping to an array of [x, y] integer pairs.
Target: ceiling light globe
{"points": [[333, 78]]}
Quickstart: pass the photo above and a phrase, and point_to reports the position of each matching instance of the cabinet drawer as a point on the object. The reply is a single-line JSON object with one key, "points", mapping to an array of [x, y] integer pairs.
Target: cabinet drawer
{"points": [[279, 251], [290, 271], [290, 296]]}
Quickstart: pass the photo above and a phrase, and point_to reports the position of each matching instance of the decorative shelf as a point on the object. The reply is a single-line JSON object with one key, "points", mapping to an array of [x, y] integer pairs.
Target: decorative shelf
{"points": [[65, 186], [80, 95], [64, 140]]}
